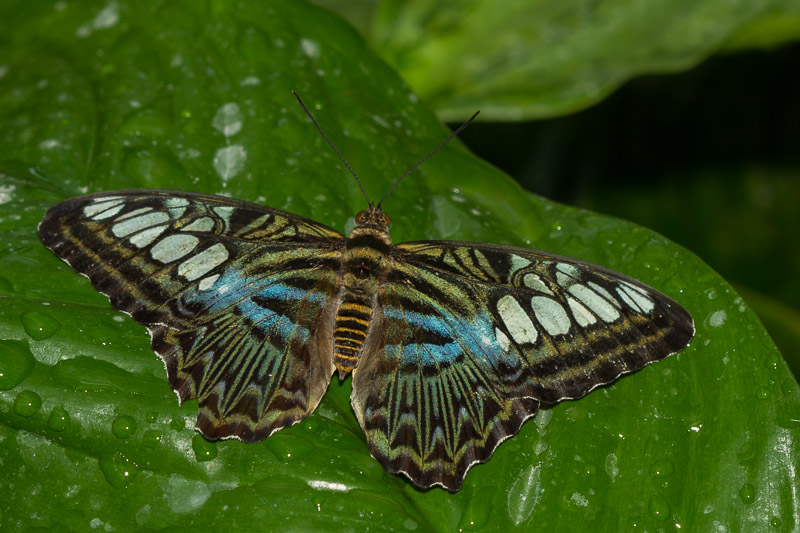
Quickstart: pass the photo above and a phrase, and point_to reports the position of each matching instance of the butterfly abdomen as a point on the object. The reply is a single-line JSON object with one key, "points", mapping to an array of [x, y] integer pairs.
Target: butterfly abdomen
{"points": [[350, 331]]}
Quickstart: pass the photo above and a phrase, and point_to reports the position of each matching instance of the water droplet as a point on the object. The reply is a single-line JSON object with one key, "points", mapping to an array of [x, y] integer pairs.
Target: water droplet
{"points": [[123, 426], [152, 439], [310, 47], [177, 423], [118, 470], [775, 522], [151, 417], [717, 318], [5, 285], [228, 119], [589, 469], [16, 363], [612, 467], [747, 493], [58, 419], [229, 161], [762, 393], [27, 403], [662, 468], [658, 507], [149, 166], [203, 449], [38, 325]]}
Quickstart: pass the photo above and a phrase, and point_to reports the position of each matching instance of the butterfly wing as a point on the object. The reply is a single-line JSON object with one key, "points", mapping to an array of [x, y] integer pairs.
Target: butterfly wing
{"points": [[235, 296], [472, 337]]}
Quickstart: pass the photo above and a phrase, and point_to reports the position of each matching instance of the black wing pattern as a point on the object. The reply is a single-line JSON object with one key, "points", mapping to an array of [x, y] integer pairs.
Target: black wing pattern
{"points": [[235, 295], [472, 337]]}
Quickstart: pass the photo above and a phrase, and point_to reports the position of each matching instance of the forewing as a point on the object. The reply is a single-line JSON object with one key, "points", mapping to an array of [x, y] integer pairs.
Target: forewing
{"points": [[234, 295], [474, 336]]}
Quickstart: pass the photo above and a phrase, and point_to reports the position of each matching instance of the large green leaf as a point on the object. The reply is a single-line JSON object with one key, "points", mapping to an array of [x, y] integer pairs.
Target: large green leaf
{"points": [[540, 58], [197, 97]]}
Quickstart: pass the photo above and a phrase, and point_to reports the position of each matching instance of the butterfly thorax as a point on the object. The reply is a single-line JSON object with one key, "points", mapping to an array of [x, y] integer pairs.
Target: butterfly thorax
{"points": [[364, 261]]}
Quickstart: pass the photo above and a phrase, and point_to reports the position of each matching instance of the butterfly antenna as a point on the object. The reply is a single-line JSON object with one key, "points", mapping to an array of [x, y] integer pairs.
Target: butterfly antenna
{"points": [[332, 146], [412, 169]]}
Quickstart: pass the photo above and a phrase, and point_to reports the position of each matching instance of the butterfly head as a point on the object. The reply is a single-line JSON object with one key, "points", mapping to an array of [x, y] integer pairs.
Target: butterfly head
{"points": [[373, 218]]}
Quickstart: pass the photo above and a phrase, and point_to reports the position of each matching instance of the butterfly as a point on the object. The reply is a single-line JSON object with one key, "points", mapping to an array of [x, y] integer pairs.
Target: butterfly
{"points": [[451, 345]]}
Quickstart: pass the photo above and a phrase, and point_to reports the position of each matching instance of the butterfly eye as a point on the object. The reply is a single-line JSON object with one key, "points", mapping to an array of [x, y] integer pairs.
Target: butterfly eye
{"points": [[385, 220], [361, 217]]}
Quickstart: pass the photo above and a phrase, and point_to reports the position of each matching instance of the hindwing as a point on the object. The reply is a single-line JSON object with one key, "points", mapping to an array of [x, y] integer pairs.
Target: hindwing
{"points": [[234, 294], [472, 337]]}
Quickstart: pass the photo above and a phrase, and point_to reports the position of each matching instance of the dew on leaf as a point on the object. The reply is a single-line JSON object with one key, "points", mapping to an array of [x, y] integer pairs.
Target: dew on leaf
{"points": [[5, 284], [38, 325], [148, 167], [662, 468], [151, 417], [185, 495], [658, 507], [118, 469], [204, 450], [27, 403], [747, 493], [228, 119], [123, 427], [475, 514], [177, 423], [717, 318], [58, 420], [152, 438], [16, 363], [229, 161]]}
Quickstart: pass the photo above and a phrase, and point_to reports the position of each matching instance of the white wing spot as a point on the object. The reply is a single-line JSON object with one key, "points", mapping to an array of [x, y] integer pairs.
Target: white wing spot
{"points": [[635, 298], [534, 282], [173, 247], [104, 208], [518, 262], [177, 202], [551, 315], [207, 283], [200, 264], [595, 302], [604, 293], [135, 212], [201, 224], [567, 274], [144, 238], [224, 212], [517, 321], [177, 206], [502, 339], [583, 316], [132, 225]]}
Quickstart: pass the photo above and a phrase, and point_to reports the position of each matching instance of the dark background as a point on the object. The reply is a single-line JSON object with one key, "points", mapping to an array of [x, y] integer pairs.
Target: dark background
{"points": [[710, 158]]}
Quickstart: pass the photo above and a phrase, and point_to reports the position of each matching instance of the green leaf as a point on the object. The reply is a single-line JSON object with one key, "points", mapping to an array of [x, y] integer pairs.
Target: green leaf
{"points": [[197, 97], [534, 59]]}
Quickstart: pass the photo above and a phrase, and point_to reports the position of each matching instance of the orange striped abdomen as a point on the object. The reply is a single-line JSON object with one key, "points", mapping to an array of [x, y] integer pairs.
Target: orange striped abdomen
{"points": [[350, 331]]}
